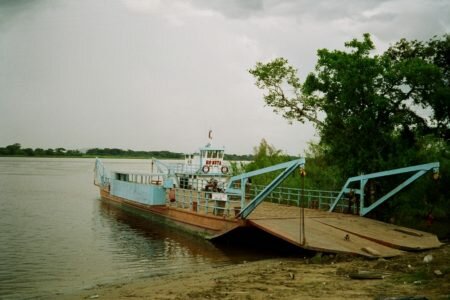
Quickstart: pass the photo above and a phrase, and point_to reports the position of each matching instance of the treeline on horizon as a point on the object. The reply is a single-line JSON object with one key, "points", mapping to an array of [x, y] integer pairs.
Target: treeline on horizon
{"points": [[17, 150]]}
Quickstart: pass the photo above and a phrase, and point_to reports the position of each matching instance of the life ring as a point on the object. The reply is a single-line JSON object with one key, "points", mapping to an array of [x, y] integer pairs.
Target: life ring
{"points": [[224, 169], [205, 169]]}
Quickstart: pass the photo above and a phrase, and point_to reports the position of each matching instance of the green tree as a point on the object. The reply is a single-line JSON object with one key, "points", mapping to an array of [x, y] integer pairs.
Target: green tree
{"points": [[283, 91], [368, 109], [13, 149], [73, 153], [319, 174], [39, 152], [50, 152], [265, 155], [28, 152], [374, 112], [424, 69], [60, 151]]}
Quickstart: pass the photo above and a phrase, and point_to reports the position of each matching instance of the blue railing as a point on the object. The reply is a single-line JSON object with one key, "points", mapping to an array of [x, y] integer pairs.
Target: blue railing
{"points": [[209, 203], [205, 202], [102, 176], [309, 198]]}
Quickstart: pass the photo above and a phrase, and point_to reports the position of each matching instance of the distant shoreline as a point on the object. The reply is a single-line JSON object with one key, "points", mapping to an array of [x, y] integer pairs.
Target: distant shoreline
{"points": [[16, 150], [86, 156], [106, 157]]}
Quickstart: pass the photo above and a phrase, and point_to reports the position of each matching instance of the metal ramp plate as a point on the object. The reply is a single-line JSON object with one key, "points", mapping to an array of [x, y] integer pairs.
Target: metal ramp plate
{"points": [[387, 234], [338, 233]]}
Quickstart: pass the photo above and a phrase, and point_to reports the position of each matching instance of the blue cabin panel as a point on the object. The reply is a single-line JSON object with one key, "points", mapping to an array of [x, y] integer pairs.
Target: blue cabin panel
{"points": [[142, 193]]}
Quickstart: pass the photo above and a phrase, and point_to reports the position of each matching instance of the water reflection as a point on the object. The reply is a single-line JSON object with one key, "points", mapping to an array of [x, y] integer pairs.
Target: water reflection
{"points": [[161, 243], [245, 244]]}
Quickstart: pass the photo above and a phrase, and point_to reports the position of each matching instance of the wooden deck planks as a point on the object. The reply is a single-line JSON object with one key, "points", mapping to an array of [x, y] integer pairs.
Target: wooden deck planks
{"points": [[326, 231]]}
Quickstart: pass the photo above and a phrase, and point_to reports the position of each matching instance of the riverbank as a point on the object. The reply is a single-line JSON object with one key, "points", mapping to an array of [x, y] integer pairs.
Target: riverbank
{"points": [[320, 277]]}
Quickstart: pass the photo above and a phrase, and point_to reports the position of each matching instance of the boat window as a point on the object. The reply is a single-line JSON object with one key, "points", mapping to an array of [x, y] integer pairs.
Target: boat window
{"points": [[122, 177]]}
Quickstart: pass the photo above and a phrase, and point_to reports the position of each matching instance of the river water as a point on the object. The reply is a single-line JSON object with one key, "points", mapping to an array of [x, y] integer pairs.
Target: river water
{"points": [[56, 237]]}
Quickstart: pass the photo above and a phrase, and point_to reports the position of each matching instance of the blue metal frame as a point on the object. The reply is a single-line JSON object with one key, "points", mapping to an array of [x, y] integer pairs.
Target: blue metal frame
{"points": [[161, 166], [243, 179], [101, 175], [363, 179]]}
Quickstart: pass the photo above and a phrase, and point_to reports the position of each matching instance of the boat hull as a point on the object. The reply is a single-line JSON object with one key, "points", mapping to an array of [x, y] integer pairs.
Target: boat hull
{"points": [[206, 226]]}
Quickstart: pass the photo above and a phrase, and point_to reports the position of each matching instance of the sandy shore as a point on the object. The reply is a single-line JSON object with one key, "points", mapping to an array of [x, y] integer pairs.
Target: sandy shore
{"points": [[320, 277]]}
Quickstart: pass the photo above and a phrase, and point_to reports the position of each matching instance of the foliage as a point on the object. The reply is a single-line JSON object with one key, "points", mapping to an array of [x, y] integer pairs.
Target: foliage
{"points": [[371, 106], [16, 150], [274, 77], [265, 155], [373, 112], [238, 157], [130, 153], [319, 175]]}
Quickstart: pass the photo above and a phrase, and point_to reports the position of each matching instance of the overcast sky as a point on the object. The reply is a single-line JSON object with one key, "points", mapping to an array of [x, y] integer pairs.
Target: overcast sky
{"points": [[154, 75]]}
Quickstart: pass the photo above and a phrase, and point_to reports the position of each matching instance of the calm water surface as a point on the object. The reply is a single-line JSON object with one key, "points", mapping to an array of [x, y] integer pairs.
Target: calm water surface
{"points": [[57, 237]]}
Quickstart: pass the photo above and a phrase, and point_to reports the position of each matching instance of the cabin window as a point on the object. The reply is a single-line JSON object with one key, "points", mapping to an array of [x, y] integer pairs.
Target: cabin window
{"points": [[122, 177]]}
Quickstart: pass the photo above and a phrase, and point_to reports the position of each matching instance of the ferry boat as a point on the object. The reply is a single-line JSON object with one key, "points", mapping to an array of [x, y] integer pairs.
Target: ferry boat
{"points": [[202, 196], [190, 195]]}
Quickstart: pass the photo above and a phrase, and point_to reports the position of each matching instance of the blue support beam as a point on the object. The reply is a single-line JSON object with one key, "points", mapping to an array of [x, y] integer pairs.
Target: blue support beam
{"points": [[363, 179], [161, 166], [365, 210], [288, 167], [101, 175], [299, 162]]}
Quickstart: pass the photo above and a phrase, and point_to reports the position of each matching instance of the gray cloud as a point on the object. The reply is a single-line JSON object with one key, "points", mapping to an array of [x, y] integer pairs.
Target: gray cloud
{"points": [[316, 9], [386, 18], [149, 74], [232, 8]]}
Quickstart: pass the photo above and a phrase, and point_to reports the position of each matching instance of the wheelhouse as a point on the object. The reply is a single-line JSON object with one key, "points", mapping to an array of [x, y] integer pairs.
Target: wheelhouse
{"points": [[211, 160]]}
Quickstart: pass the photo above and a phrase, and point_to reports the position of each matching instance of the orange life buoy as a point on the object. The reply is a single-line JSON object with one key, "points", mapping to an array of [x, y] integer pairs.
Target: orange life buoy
{"points": [[205, 169], [224, 169]]}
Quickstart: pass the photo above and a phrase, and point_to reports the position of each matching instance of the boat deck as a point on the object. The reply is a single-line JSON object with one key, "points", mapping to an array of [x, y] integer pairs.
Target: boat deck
{"points": [[339, 233]]}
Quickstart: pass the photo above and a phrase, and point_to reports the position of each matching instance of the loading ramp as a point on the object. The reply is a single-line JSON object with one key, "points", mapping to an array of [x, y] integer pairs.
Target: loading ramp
{"points": [[338, 233]]}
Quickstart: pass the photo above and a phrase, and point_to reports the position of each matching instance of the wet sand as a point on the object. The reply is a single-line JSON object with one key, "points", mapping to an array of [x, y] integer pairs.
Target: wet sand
{"points": [[320, 277]]}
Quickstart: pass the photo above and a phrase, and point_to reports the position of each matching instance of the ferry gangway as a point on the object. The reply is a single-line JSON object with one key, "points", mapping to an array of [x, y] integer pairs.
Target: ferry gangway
{"points": [[359, 192], [339, 201], [317, 226], [243, 179]]}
